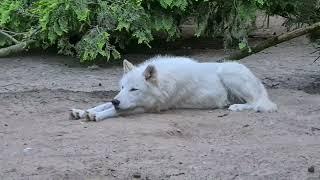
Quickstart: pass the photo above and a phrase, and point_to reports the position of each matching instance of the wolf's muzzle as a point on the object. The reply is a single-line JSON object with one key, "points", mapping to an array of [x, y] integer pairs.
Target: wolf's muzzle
{"points": [[115, 103]]}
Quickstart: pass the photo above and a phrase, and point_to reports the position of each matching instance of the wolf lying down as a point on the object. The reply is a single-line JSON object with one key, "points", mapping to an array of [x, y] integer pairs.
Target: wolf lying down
{"points": [[164, 82]]}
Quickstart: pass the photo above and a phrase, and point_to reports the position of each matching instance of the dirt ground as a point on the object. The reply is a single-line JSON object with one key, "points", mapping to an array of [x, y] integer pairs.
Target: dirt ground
{"points": [[38, 141]]}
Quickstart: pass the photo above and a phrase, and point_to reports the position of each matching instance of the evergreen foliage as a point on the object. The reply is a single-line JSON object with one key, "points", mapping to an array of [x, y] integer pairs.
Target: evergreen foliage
{"points": [[100, 28]]}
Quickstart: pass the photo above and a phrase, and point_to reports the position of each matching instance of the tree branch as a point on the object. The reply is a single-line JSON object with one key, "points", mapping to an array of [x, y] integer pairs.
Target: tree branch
{"points": [[13, 33], [21, 46], [274, 41], [9, 37]]}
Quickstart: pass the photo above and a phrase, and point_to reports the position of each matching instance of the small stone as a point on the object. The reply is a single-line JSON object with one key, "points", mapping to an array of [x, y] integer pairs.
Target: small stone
{"points": [[100, 84], [136, 175], [112, 169], [311, 169], [246, 125], [180, 163], [5, 124], [223, 115]]}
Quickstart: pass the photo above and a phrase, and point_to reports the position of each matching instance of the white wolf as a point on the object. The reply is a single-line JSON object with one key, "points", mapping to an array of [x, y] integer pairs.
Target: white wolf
{"points": [[165, 82]]}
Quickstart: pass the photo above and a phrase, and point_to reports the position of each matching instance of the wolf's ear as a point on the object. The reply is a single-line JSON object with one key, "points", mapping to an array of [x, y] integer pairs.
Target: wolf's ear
{"points": [[127, 66], [150, 74]]}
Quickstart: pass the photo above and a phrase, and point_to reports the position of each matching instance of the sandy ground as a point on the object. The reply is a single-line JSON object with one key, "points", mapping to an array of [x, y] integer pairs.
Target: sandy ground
{"points": [[38, 141]]}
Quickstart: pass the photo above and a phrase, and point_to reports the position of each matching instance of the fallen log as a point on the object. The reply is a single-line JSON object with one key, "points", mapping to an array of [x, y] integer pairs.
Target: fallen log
{"points": [[18, 46], [21, 46], [274, 41]]}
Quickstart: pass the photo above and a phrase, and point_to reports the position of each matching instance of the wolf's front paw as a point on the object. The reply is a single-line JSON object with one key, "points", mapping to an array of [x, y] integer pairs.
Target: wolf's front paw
{"points": [[91, 116], [76, 114]]}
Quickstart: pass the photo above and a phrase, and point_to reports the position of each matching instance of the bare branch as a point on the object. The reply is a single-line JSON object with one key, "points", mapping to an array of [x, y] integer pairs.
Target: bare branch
{"points": [[21, 46], [13, 33], [316, 59], [275, 40], [9, 37]]}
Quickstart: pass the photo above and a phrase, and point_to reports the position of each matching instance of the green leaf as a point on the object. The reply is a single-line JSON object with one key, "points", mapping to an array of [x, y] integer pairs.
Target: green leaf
{"points": [[122, 25], [261, 2], [181, 4], [168, 2], [57, 29], [115, 54], [167, 23], [163, 4], [52, 36], [242, 45], [63, 23]]}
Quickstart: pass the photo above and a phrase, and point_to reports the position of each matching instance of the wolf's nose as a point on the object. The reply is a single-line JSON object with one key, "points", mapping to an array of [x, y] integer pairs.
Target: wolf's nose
{"points": [[115, 102]]}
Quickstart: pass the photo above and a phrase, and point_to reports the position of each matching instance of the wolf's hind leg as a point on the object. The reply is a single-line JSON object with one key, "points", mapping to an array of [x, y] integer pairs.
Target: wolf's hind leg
{"points": [[242, 83]]}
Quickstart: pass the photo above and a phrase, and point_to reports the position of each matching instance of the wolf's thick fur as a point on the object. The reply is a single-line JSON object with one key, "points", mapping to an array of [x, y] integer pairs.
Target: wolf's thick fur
{"points": [[165, 82]]}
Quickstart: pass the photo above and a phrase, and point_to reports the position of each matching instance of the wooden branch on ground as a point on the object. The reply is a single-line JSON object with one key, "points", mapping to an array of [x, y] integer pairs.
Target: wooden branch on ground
{"points": [[21, 46], [9, 37], [274, 41], [13, 33], [18, 46]]}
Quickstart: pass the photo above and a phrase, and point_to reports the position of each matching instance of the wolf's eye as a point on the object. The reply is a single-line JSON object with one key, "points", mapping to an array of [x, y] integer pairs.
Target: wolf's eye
{"points": [[133, 89], [121, 87]]}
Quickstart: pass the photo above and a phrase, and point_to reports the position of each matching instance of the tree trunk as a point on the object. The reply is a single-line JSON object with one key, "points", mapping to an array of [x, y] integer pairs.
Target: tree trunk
{"points": [[274, 41], [14, 48]]}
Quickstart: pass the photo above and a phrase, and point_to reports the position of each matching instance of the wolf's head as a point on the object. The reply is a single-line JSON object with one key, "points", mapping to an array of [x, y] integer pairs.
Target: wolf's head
{"points": [[138, 87]]}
